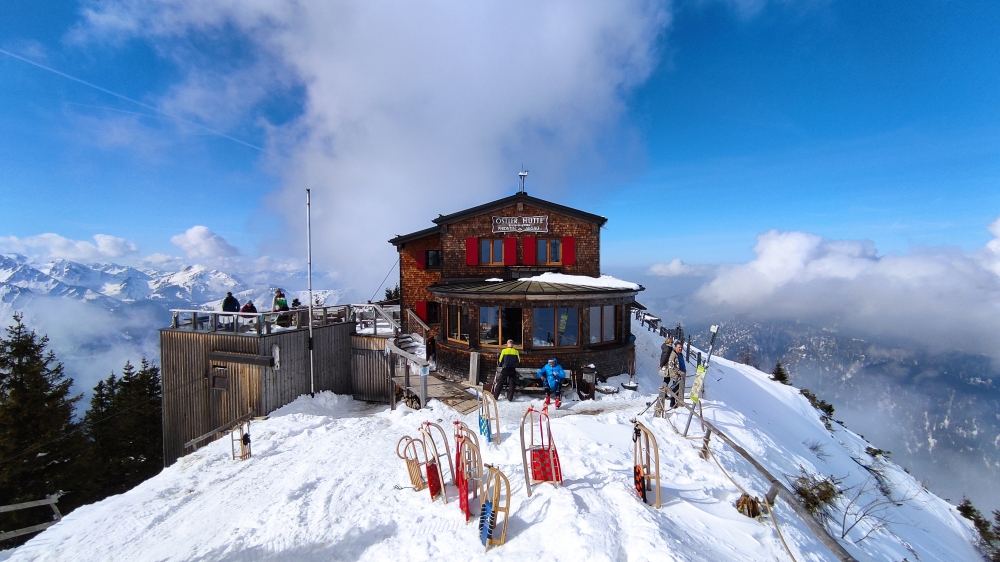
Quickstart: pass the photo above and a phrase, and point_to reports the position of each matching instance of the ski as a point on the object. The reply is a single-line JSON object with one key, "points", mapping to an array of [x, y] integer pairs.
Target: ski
{"points": [[699, 377]]}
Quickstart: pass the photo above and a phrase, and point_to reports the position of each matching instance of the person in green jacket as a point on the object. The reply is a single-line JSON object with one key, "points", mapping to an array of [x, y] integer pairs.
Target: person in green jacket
{"points": [[508, 361]]}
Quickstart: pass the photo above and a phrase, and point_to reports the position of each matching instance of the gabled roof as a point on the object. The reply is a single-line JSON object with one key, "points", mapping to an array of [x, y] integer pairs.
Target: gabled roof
{"points": [[499, 204]]}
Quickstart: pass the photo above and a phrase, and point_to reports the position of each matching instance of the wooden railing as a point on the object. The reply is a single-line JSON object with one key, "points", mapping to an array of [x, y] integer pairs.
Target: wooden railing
{"points": [[49, 501], [257, 323]]}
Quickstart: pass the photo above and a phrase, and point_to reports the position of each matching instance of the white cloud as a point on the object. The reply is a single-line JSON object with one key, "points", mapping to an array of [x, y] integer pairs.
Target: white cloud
{"points": [[673, 269], [939, 296], [410, 110], [54, 246], [199, 242]]}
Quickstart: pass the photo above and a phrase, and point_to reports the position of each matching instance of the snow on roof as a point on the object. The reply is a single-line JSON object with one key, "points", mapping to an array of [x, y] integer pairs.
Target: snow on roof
{"points": [[584, 281]]}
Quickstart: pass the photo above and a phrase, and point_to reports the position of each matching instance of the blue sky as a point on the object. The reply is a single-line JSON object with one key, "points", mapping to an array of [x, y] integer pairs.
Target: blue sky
{"points": [[859, 121]]}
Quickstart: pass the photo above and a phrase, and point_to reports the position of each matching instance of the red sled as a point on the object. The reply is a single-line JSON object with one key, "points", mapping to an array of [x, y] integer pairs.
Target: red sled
{"points": [[545, 465], [538, 450]]}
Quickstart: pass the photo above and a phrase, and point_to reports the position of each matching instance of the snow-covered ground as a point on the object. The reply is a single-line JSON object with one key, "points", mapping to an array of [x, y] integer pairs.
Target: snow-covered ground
{"points": [[324, 484]]}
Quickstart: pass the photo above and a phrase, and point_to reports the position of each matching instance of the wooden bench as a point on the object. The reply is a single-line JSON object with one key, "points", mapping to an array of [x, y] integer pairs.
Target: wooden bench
{"points": [[529, 381]]}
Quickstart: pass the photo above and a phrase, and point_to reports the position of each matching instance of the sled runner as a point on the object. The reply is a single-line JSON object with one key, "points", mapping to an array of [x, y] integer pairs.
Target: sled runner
{"points": [[413, 452], [646, 459], [489, 418], [496, 502], [539, 447], [469, 467]]}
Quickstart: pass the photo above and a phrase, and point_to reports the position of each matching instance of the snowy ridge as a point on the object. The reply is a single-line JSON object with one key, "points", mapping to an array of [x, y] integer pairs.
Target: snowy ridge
{"points": [[321, 486]]}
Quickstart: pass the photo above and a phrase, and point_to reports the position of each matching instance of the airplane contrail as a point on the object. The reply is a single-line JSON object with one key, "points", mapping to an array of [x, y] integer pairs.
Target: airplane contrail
{"points": [[130, 100]]}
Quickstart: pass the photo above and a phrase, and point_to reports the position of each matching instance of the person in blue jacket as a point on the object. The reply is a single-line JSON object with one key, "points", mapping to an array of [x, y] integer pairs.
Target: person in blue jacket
{"points": [[552, 376]]}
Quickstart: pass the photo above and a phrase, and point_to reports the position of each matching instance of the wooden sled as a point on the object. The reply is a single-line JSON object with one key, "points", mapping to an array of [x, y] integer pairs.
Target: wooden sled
{"points": [[413, 452], [495, 498], [646, 460], [489, 417], [435, 468], [240, 437], [469, 467], [540, 448]]}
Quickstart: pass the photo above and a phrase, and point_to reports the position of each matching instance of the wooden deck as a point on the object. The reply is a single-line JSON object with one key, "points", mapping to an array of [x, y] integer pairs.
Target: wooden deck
{"points": [[457, 396]]}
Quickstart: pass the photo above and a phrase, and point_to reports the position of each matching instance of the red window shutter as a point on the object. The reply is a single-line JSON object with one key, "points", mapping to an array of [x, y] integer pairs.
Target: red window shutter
{"points": [[510, 251], [421, 257], [529, 250], [421, 307], [569, 250], [471, 251]]}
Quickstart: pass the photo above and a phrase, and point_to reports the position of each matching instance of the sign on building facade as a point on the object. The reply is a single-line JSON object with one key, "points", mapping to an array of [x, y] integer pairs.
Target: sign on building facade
{"points": [[520, 224]]}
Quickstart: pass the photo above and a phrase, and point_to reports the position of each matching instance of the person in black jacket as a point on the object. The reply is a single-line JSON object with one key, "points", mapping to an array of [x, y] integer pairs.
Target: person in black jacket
{"points": [[230, 304]]}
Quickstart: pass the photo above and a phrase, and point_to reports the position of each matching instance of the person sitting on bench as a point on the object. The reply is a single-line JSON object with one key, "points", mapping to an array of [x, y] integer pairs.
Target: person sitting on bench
{"points": [[552, 376]]}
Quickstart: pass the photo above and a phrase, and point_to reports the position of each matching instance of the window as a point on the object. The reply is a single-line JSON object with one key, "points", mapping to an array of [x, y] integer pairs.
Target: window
{"points": [[433, 313], [555, 327], [602, 324], [490, 252], [497, 325], [458, 323], [549, 251], [433, 258]]}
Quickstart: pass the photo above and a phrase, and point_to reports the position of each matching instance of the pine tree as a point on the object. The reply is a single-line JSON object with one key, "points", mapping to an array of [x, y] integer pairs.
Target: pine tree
{"points": [[392, 294], [125, 425], [780, 374], [41, 450]]}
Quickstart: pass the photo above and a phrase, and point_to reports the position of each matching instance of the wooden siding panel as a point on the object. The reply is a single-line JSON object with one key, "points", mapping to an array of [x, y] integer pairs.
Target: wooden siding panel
{"points": [[191, 408]]}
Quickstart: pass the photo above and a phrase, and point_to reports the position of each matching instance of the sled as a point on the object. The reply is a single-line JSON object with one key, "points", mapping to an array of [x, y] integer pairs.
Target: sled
{"points": [[469, 467], [434, 465], [540, 448], [413, 452], [489, 418], [646, 460], [240, 435], [496, 502]]}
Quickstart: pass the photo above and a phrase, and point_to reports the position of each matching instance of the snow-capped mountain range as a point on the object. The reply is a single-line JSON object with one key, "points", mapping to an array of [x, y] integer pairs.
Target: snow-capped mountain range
{"points": [[111, 285], [100, 315]]}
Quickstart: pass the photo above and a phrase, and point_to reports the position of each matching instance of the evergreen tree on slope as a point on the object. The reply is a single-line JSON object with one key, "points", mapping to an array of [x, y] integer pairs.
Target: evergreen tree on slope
{"points": [[125, 424], [41, 451]]}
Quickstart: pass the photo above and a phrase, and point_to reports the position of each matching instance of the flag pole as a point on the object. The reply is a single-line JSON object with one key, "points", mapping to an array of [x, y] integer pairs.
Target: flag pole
{"points": [[309, 265]]}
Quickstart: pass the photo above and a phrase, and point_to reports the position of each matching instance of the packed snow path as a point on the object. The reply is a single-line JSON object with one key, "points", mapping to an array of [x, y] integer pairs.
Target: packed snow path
{"points": [[322, 486]]}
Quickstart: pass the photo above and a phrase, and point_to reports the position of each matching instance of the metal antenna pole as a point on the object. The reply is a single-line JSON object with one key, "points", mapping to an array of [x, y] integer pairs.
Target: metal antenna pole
{"points": [[522, 176], [309, 265]]}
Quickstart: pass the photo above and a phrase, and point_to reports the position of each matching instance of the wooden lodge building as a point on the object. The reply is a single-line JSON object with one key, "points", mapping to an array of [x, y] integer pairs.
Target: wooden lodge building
{"points": [[474, 280]]}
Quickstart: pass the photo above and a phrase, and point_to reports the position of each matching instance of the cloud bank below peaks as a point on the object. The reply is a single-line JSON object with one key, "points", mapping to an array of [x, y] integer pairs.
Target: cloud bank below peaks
{"points": [[408, 110], [51, 246], [942, 297]]}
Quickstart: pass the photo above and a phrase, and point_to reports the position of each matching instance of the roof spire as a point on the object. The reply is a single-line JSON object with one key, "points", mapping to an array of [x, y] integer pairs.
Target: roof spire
{"points": [[523, 174]]}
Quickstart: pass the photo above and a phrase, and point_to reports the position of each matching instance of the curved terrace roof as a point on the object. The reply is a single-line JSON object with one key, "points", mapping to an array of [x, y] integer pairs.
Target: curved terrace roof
{"points": [[527, 287]]}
